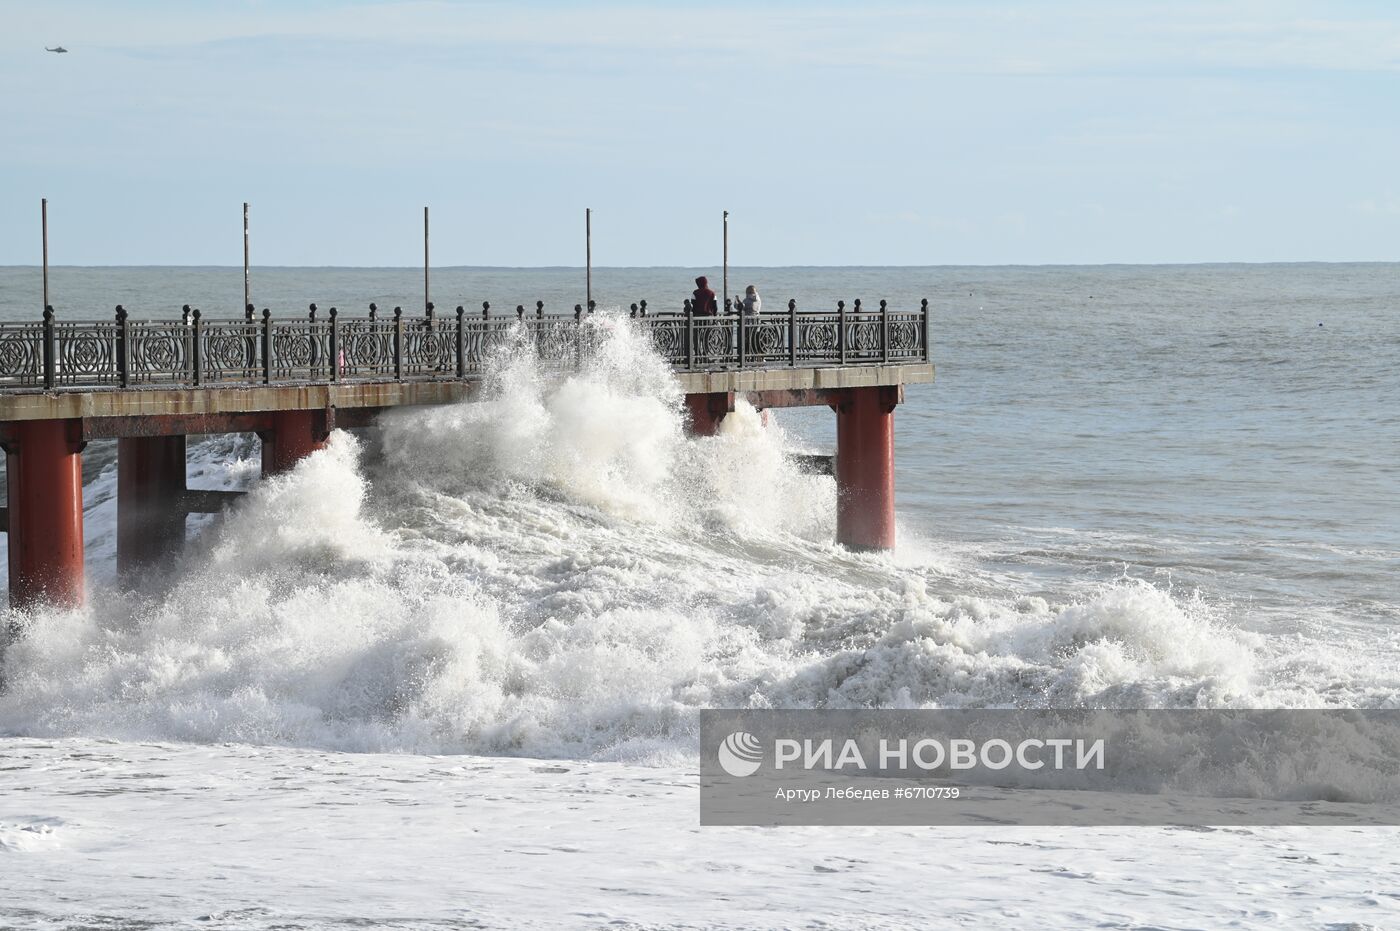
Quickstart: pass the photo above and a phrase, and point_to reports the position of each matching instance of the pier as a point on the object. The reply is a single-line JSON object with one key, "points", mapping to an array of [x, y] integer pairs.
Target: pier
{"points": [[292, 380]]}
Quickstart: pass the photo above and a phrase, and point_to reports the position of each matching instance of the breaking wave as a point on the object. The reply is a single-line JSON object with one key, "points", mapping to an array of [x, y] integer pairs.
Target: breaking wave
{"points": [[558, 570]]}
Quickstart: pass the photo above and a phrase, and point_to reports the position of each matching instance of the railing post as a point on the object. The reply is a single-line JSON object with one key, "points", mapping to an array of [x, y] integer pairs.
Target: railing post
{"points": [[841, 331], [689, 337], [578, 335], [884, 332], [248, 313], [855, 327], [592, 306], [520, 312], [633, 314], [923, 309], [461, 341], [430, 327], [335, 345], [644, 307], [49, 349], [185, 339], [485, 340], [398, 344], [539, 310], [792, 332], [267, 346], [740, 322], [196, 346], [312, 354], [123, 348]]}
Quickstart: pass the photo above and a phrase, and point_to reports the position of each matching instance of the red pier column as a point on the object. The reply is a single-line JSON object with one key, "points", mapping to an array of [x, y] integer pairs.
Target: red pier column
{"points": [[150, 501], [44, 459], [865, 468], [292, 436], [707, 410]]}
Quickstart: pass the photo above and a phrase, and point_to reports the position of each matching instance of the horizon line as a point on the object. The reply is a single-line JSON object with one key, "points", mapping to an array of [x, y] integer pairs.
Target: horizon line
{"points": [[703, 267]]}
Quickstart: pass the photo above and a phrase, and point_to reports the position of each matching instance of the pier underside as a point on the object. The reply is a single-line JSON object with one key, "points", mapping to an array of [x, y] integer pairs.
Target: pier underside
{"points": [[44, 433]]}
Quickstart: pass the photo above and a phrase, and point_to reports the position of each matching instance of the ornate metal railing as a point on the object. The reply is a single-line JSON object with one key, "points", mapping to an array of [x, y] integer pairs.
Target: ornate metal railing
{"points": [[194, 351]]}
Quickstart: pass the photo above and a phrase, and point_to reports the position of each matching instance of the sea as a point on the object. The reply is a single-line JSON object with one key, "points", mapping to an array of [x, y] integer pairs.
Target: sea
{"points": [[448, 672]]}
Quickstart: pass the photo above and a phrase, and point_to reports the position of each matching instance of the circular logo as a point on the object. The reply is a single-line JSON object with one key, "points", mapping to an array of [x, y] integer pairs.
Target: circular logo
{"points": [[741, 754]]}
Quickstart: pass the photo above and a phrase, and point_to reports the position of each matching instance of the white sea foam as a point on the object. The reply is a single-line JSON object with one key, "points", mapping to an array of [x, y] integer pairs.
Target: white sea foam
{"points": [[557, 570]]}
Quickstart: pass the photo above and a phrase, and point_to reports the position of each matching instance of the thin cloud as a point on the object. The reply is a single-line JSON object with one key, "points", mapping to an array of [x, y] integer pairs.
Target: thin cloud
{"points": [[1019, 39]]}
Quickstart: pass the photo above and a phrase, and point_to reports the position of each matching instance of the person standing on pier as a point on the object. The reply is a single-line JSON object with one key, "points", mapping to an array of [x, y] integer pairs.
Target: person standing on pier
{"points": [[752, 303], [704, 304]]}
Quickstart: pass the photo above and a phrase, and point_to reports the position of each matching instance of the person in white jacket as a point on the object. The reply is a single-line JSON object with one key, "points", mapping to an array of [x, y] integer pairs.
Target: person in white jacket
{"points": [[752, 303]]}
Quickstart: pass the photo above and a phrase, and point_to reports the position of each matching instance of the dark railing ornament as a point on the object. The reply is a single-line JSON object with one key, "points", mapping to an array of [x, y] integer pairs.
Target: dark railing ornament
{"points": [[592, 306], [373, 312], [189, 350]]}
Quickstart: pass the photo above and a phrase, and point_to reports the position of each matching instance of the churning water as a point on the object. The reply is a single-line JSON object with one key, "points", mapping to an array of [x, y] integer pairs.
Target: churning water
{"points": [[1130, 486]]}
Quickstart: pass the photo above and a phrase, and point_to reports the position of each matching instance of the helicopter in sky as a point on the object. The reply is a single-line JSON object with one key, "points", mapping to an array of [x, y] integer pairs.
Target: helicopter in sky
{"points": [[60, 49]]}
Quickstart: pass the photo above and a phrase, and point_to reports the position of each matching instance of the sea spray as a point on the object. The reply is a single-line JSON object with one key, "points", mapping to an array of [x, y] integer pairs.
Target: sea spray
{"points": [[557, 570]]}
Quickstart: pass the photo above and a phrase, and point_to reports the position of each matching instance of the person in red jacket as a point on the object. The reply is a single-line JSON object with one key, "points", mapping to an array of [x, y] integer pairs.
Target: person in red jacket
{"points": [[704, 304]]}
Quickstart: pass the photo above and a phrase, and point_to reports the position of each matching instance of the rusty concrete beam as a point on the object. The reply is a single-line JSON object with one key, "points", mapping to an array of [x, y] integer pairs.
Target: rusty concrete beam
{"points": [[97, 428], [807, 397], [351, 418], [344, 397], [208, 500], [815, 463], [797, 379], [145, 402]]}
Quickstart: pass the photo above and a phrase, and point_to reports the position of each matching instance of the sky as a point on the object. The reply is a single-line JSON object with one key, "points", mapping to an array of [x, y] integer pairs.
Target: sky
{"points": [[835, 134]]}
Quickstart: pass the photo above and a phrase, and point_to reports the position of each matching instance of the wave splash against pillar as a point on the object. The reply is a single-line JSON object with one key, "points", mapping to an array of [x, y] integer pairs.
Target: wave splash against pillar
{"points": [[558, 570]]}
